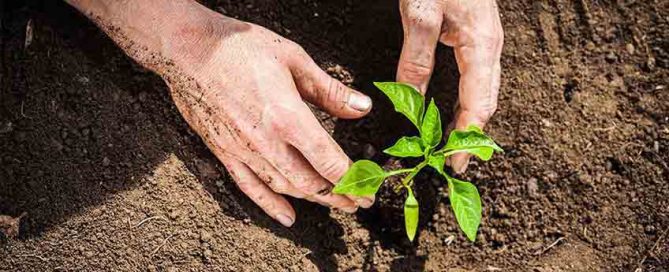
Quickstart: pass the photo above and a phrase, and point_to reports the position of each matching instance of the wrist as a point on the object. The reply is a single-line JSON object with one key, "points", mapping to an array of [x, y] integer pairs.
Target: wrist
{"points": [[155, 31], [190, 39]]}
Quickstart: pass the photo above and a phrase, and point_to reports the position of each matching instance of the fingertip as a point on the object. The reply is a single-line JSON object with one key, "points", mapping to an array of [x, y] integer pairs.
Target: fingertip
{"points": [[285, 220], [459, 162], [365, 202], [351, 209], [359, 104]]}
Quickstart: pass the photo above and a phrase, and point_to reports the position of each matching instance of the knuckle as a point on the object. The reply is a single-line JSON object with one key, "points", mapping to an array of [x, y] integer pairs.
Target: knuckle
{"points": [[297, 48], [487, 112], [246, 186], [500, 36], [482, 113], [309, 186], [282, 124], [336, 91], [421, 23], [332, 170], [265, 201], [271, 182], [488, 38], [298, 54], [491, 111], [414, 70]]}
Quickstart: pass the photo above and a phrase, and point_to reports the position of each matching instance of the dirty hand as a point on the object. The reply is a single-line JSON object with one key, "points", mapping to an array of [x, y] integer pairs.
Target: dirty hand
{"points": [[241, 88], [474, 30], [251, 115]]}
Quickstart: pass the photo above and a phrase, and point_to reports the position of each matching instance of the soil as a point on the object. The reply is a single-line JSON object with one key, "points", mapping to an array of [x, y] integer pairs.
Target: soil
{"points": [[110, 177]]}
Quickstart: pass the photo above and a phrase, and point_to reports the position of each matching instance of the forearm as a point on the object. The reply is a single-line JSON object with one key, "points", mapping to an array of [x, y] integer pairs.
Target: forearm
{"points": [[154, 31]]}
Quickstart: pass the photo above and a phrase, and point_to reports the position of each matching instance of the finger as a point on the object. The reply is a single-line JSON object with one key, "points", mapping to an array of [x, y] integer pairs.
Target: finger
{"points": [[315, 155], [303, 176], [320, 89], [422, 23], [273, 178], [279, 184], [263, 169], [479, 66], [272, 203]]}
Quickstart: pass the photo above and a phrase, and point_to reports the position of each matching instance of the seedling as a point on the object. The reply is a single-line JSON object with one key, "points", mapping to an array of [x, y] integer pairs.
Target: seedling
{"points": [[365, 177]]}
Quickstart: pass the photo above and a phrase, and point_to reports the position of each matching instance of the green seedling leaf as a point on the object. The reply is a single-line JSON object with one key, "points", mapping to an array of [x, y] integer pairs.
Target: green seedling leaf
{"points": [[466, 204], [363, 179], [437, 162], [474, 128], [472, 140], [411, 215], [406, 147], [406, 99], [430, 130]]}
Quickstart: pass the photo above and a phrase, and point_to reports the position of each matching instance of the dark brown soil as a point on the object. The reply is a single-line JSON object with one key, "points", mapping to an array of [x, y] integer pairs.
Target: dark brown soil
{"points": [[111, 177]]}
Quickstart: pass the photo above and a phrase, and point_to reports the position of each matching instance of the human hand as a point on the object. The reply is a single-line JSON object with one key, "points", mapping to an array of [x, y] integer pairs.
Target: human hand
{"points": [[474, 30], [245, 101], [240, 87]]}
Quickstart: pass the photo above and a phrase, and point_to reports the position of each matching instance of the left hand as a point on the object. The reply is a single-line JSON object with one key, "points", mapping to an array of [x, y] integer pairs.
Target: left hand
{"points": [[474, 30]]}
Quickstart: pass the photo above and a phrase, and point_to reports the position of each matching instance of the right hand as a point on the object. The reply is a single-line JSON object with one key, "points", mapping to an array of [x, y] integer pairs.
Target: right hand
{"points": [[474, 30], [241, 88]]}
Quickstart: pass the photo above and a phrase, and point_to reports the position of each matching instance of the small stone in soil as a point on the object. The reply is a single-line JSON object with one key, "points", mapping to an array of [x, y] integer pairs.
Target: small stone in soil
{"points": [[611, 57], [630, 48], [368, 151], [174, 215], [9, 226], [649, 229], [205, 236], [436, 181], [6, 128], [546, 123], [532, 187], [207, 253], [449, 240]]}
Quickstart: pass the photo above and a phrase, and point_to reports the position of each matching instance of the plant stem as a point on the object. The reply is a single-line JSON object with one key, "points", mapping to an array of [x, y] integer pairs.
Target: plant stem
{"points": [[399, 171], [446, 152], [408, 180]]}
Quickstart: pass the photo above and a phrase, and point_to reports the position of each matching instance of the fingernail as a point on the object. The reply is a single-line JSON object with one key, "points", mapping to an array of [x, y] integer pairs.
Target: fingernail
{"points": [[460, 166], [350, 209], [285, 220], [359, 102], [364, 202]]}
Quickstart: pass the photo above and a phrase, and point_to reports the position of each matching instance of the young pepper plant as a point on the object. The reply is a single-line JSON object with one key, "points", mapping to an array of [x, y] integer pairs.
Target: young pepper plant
{"points": [[365, 177]]}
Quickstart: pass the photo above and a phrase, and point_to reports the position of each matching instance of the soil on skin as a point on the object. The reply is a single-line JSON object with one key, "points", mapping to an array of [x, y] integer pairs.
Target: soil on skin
{"points": [[111, 178]]}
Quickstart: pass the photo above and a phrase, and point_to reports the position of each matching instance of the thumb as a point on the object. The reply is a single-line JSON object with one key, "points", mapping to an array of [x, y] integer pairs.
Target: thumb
{"points": [[422, 27], [320, 89]]}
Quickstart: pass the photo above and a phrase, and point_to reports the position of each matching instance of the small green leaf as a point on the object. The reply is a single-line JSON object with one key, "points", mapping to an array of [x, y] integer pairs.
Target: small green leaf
{"points": [[437, 162], [472, 140], [406, 147], [474, 128], [430, 130], [406, 99], [411, 215], [466, 204], [363, 179]]}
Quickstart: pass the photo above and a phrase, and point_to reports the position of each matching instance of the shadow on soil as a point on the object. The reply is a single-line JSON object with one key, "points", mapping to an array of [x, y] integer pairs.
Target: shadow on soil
{"points": [[70, 144]]}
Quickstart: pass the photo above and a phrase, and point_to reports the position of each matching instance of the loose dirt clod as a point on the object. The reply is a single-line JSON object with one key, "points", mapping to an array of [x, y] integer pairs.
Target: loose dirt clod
{"points": [[9, 226]]}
